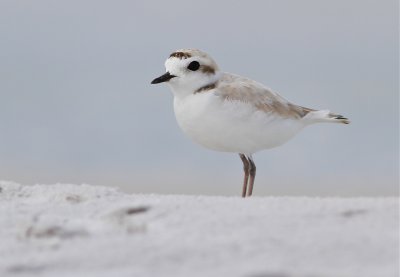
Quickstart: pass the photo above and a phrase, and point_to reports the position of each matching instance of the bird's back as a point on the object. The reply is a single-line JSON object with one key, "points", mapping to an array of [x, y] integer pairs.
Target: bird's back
{"points": [[233, 87]]}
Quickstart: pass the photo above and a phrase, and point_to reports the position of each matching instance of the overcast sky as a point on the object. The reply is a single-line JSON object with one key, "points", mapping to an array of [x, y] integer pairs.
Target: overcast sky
{"points": [[76, 104]]}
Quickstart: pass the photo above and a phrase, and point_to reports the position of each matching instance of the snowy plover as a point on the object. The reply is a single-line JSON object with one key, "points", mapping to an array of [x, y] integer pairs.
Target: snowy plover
{"points": [[231, 113]]}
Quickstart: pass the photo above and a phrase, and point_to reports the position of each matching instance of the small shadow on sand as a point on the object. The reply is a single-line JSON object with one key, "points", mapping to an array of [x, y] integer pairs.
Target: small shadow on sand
{"points": [[54, 231], [74, 198], [353, 213], [136, 210], [25, 269]]}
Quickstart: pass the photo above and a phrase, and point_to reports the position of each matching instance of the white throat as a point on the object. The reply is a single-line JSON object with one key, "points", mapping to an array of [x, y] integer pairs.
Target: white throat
{"points": [[186, 85]]}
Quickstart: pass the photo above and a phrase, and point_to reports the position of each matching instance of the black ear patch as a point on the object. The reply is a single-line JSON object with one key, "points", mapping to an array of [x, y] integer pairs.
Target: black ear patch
{"points": [[193, 66]]}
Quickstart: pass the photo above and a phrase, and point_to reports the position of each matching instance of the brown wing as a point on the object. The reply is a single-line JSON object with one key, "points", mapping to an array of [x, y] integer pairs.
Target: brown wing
{"points": [[237, 88]]}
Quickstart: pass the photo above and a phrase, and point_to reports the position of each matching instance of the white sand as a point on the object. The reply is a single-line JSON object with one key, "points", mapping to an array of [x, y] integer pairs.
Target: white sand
{"points": [[83, 230]]}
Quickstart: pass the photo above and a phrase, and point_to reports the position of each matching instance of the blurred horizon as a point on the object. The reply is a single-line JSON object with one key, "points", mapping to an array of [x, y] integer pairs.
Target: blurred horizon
{"points": [[77, 105]]}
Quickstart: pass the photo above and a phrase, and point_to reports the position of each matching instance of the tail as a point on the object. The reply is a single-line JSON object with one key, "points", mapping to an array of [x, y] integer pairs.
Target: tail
{"points": [[325, 116]]}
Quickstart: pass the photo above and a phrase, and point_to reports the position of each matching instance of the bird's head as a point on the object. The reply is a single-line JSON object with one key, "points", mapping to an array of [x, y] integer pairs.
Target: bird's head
{"points": [[187, 70]]}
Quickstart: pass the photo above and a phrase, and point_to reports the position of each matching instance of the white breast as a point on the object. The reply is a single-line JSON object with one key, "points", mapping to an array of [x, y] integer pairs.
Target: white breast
{"points": [[231, 126]]}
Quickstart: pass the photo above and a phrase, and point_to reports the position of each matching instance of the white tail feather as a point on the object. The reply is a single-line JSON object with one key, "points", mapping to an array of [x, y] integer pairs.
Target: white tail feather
{"points": [[325, 116]]}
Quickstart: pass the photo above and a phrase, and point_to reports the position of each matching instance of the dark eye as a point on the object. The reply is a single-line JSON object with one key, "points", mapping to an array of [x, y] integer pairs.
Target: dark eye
{"points": [[193, 66]]}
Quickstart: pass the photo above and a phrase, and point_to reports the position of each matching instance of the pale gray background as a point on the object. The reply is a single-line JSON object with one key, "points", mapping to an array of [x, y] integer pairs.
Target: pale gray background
{"points": [[76, 104]]}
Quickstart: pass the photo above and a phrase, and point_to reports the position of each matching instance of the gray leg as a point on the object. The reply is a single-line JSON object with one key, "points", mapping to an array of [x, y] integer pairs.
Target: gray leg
{"points": [[246, 166], [252, 172]]}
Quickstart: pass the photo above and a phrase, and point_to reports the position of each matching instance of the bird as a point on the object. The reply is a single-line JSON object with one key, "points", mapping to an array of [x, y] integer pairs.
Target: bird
{"points": [[230, 113]]}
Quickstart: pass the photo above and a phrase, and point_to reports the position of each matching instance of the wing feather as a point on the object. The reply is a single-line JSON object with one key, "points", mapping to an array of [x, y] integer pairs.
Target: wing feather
{"points": [[236, 88]]}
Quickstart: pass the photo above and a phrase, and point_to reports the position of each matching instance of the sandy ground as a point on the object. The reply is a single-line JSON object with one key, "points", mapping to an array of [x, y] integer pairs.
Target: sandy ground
{"points": [[83, 230]]}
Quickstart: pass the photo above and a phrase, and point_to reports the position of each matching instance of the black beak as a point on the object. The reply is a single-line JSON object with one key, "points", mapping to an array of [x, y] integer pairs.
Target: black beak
{"points": [[163, 78]]}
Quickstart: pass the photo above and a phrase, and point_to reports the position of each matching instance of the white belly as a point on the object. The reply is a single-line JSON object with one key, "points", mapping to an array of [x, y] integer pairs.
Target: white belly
{"points": [[231, 126]]}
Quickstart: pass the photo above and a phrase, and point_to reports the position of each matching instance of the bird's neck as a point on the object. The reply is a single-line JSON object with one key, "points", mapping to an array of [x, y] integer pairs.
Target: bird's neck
{"points": [[182, 90]]}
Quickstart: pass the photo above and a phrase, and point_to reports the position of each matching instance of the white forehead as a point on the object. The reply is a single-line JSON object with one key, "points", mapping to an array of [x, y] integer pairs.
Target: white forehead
{"points": [[179, 60]]}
